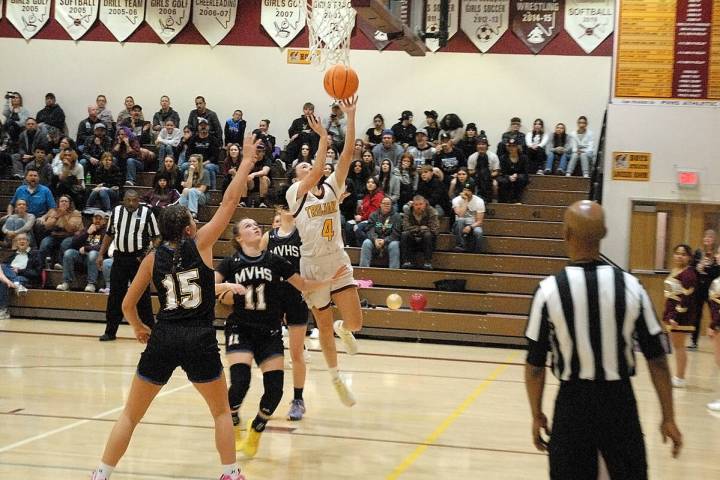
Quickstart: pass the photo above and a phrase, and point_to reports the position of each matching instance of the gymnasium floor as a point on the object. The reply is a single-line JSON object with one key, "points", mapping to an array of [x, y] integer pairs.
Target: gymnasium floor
{"points": [[60, 389]]}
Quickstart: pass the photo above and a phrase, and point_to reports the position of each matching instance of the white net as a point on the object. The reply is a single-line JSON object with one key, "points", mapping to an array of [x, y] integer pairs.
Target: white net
{"points": [[330, 24]]}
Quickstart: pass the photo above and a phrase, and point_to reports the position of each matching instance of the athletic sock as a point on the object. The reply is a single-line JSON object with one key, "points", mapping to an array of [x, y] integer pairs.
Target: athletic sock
{"points": [[298, 393], [333, 373], [258, 424], [232, 470], [235, 418], [104, 471]]}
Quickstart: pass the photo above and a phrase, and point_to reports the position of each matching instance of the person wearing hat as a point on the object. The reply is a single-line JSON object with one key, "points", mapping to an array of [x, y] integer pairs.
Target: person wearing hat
{"points": [[203, 143], [431, 128], [484, 166], [137, 125], [512, 133], [387, 148], [448, 159], [404, 130], [96, 144], [52, 115], [513, 176], [467, 144], [126, 112], [84, 248], [423, 151], [469, 215]]}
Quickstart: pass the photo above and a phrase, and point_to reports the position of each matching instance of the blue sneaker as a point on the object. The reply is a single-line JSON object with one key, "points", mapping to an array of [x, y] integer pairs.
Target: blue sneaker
{"points": [[297, 409]]}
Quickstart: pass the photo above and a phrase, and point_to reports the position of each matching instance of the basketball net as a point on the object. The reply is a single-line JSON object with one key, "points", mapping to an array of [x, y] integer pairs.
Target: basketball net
{"points": [[330, 24]]}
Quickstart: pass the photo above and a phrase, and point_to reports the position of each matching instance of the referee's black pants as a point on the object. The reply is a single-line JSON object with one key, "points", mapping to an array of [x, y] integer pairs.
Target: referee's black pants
{"points": [[124, 268], [592, 417]]}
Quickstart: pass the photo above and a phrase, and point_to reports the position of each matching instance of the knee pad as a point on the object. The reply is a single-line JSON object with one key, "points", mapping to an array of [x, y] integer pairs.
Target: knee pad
{"points": [[273, 382], [239, 384]]}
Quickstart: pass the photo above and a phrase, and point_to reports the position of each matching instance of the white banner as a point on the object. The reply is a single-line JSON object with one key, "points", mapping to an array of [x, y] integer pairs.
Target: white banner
{"points": [[76, 16], [484, 21], [589, 22], [122, 17], [1, 9], [282, 19], [330, 20], [214, 18], [167, 18], [28, 16], [432, 21]]}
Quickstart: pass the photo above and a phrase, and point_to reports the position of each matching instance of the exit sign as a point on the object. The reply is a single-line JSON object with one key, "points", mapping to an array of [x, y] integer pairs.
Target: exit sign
{"points": [[688, 178]]}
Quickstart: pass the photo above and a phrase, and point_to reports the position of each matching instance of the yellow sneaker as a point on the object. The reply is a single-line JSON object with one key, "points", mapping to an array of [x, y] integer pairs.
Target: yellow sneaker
{"points": [[249, 445], [238, 437]]}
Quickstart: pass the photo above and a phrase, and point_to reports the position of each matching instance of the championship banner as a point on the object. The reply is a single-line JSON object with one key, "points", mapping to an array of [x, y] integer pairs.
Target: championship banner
{"points": [[377, 37], [122, 17], [537, 23], [214, 18], [167, 18], [432, 21], [484, 21], [589, 22], [28, 16], [327, 19], [76, 16], [283, 20]]}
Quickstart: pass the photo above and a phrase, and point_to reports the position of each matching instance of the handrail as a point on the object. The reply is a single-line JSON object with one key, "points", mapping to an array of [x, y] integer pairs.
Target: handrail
{"points": [[597, 174]]}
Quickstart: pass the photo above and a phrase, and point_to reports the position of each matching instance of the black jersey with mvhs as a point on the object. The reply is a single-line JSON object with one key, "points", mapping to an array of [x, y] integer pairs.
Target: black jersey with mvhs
{"points": [[287, 247], [185, 285], [262, 278]]}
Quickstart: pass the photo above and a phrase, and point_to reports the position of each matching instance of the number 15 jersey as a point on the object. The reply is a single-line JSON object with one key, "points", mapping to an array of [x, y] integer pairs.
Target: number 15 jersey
{"points": [[318, 218]]}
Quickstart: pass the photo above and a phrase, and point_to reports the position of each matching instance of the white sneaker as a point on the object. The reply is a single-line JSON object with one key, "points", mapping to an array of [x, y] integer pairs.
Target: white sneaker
{"points": [[714, 406], [20, 289], [4, 315], [57, 266], [346, 396], [90, 288], [285, 332], [105, 290], [351, 345], [314, 334], [540, 172], [678, 382], [64, 286]]}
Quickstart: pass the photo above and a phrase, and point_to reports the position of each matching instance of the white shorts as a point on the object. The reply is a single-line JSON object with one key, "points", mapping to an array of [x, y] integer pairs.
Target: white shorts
{"points": [[322, 268]]}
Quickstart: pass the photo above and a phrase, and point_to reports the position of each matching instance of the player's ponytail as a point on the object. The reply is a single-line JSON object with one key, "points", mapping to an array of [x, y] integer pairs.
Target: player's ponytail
{"points": [[172, 223]]}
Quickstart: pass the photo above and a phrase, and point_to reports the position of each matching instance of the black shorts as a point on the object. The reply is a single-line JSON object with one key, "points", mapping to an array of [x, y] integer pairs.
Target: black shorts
{"points": [[192, 348], [262, 342], [294, 308]]}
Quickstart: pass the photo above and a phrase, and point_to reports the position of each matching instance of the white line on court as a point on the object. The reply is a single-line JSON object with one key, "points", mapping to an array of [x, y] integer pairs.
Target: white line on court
{"points": [[81, 422]]}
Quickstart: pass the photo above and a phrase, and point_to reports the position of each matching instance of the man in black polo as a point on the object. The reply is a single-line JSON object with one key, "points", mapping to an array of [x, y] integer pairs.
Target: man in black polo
{"points": [[132, 228]]}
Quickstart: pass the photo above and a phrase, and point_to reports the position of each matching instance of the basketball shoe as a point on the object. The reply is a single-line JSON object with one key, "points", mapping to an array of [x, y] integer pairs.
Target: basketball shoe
{"points": [[249, 445], [346, 395], [348, 339]]}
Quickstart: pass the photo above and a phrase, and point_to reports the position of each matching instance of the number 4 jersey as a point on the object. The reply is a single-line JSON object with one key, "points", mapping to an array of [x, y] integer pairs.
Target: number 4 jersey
{"points": [[263, 279]]}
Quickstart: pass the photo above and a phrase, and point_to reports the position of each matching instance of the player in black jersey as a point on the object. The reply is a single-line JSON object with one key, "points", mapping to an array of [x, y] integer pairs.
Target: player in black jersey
{"points": [[253, 329], [181, 270], [284, 240]]}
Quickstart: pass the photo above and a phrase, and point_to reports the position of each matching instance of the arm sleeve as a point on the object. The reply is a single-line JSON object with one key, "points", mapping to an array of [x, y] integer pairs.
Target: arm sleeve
{"points": [[538, 330]]}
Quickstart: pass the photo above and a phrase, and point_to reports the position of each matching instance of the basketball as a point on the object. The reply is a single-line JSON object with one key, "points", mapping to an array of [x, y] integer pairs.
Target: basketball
{"points": [[394, 301], [341, 82], [418, 302]]}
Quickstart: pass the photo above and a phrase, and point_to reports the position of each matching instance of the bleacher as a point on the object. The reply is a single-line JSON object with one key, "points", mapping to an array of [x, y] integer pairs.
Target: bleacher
{"points": [[523, 243]]}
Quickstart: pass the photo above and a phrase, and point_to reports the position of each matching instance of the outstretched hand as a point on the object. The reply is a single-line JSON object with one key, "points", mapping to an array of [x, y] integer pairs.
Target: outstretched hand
{"points": [[250, 147], [316, 125], [349, 104]]}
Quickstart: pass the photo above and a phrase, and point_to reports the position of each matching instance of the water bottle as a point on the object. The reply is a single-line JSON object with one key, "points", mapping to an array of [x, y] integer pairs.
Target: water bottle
{"points": [[88, 179]]}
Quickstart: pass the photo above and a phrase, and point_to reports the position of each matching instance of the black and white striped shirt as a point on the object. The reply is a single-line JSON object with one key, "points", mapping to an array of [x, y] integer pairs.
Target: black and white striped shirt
{"points": [[132, 232], [588, 316]]}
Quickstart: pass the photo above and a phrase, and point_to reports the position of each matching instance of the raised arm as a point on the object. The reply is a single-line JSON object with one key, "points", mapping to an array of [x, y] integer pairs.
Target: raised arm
{"points": [[348, 106], [312, 178]]}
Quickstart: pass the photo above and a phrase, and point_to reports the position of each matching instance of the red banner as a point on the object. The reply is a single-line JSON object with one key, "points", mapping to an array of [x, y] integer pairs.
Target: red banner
{"points": [[692, 49]]}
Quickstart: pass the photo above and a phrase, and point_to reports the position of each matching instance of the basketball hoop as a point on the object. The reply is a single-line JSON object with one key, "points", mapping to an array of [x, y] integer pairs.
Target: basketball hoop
{"points": [[330, 24]]}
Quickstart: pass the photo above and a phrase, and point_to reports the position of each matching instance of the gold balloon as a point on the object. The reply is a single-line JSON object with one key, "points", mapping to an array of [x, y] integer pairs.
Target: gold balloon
{"points": [[394, 301]]}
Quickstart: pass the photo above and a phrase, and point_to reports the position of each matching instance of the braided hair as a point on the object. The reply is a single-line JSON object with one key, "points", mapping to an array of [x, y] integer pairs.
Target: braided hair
{"points": [[173, 221]]}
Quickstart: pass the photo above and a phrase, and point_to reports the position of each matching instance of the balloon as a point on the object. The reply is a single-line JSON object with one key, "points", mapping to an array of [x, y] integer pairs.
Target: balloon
{"points": [[394, 301], [418, 301]]}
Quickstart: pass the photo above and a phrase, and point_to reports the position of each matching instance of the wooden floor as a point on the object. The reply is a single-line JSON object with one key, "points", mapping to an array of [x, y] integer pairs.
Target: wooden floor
{"points": [[424, 412]]}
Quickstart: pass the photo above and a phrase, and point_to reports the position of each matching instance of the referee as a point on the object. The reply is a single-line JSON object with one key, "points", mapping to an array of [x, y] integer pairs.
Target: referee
{"points": [[587, 316], [132, 227]]}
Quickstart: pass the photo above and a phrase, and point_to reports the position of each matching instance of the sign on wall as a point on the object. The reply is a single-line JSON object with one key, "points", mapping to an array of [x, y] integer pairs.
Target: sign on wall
{"points": [[282, 20], [589, 22], [631, 166], [214, 18], [122, 17], [76, 16], [432, 21], [28, 16], [484, 21], [167, 18], [298, 56], [537, 23]]}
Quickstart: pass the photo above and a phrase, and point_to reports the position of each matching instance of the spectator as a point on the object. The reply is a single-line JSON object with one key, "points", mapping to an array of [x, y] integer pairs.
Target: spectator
{"points": [[371, 200], [5, 158], [358, 149], [206, 145], [139, 127], [30, 138], [65, 143], [15, 115], [96, 145], [559, 148], [431, 189], [52, 115], [331, 156], [420, 229], [108, 180], [484, 165], [583, 148], [513, 176], [336, 126], [536, 141], [201, 111], [432, 128], [38, 198], [300, 132], [383, 235], [358, 177], [42, 165], [168, 140], [448, 159], [187, 135], [264, 127], [387, 148], [469, 140], [23, 262], [106, 271], [304, 156], [404, 130], [195, 186], [422, 152], [161, 117], [458, 183], [369, 165], [513, 133], [373, 136], [407, 175], [388, 183], [127, 154], [127, 111], [259, 178], [469, 215], [235, 129], [86, 127], [231, 164], [19, 223], [71, 180], [59, 224], [84, 250], [451, 125], [162, 194], [175, 174], [707, 270], [105, 114]]}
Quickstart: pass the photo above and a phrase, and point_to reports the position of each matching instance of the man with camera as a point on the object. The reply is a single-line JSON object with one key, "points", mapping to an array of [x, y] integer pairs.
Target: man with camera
{"points": [[15, 116], [336, 127]]}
